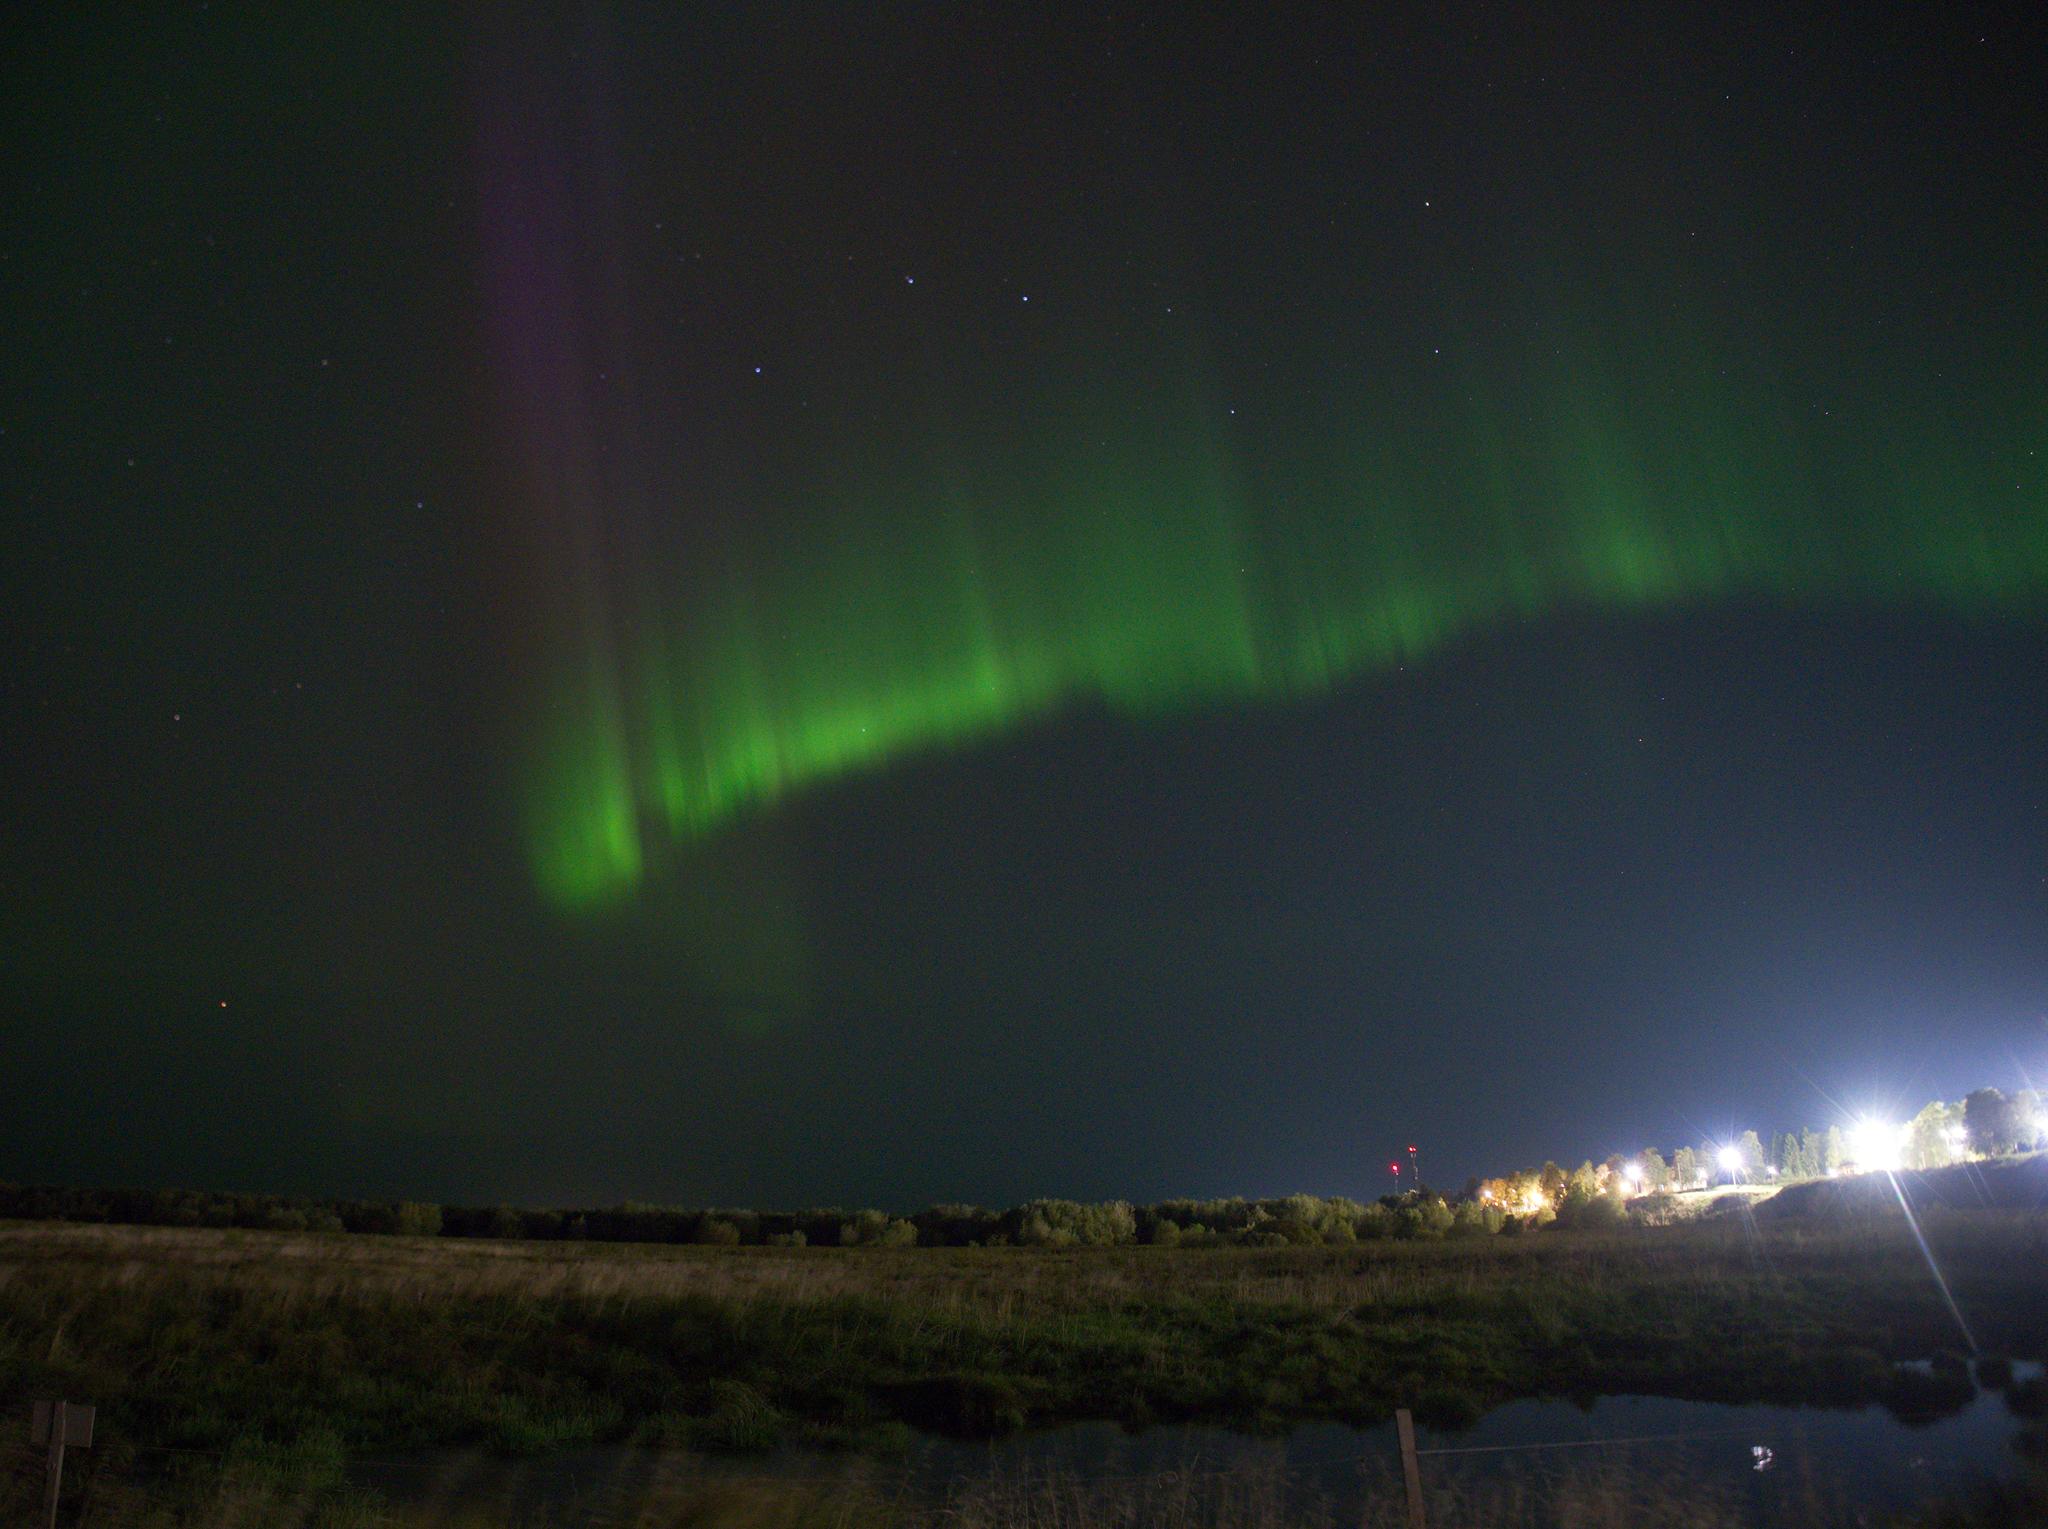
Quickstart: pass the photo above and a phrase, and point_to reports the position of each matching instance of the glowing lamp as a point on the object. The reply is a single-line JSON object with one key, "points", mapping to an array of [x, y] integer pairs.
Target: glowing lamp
{"points": [[1633, 1172], [1730, 1159], [1876, 1145]]}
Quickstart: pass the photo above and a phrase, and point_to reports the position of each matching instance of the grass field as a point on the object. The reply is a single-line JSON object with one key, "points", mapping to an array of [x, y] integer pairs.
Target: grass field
{"points": [[287, 1353]]}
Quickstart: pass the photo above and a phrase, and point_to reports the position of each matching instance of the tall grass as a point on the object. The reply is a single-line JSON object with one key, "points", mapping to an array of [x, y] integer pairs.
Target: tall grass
{"points": [[249, 1346]]}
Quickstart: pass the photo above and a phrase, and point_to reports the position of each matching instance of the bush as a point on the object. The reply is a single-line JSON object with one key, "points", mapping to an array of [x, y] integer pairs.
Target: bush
{"points": [[716, 1232], [415, 1219], [1476, 1219], [1066, 1223], [873, 1229], [1422, 1216], [1585, 1209]]}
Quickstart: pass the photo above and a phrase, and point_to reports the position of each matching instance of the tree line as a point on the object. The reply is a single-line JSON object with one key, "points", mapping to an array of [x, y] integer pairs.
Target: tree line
{"points": [[1984, 1123], [1287, 1221]]}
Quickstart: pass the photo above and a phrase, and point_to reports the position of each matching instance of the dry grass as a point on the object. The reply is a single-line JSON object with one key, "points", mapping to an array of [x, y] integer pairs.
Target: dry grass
{"points": [[999, 1281], [280, 1355]]}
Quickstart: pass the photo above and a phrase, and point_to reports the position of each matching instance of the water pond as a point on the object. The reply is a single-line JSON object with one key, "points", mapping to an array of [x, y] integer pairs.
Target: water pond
{"points": [[1527, 1461]]}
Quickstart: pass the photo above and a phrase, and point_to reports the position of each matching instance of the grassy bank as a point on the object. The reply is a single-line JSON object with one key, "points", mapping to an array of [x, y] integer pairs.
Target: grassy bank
{"points": [[197, 1339]]}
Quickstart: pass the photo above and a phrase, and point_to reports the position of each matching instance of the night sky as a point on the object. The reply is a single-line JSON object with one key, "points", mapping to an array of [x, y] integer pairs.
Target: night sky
{"points": [[817, 604]]}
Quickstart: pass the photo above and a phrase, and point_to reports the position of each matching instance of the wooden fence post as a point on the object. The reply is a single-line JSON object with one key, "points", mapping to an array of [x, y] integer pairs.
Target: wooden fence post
{"points": [[1411, 1468], [58, 1424]]}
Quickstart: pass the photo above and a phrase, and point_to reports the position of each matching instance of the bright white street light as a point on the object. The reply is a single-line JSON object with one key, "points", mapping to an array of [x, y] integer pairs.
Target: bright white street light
{"points": [[1633, 1172], [1730, 1159], [1877, 1145]]}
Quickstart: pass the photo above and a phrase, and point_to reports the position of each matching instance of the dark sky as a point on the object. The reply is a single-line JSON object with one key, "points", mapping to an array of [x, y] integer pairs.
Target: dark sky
{"points": [[886, 604]]}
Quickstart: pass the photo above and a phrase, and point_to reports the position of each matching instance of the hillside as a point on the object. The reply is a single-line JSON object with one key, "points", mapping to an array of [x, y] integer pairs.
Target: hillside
{"points": [[2003, 1183]]}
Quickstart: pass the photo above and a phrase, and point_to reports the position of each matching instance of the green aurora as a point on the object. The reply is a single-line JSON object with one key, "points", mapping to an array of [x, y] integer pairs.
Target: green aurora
{"points": [[1139, 546]]}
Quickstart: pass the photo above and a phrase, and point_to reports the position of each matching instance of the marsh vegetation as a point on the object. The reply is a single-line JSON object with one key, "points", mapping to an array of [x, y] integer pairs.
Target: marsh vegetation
{"points": [[274, 1354]]}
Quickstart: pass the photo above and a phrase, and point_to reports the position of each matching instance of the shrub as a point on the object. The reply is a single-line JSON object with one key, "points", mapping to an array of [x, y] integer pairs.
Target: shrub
{"points": [[1374, 1222], [1066, 1223], [1588, 1209], [415, 1219], [1474, 1218], [873, 1229]]}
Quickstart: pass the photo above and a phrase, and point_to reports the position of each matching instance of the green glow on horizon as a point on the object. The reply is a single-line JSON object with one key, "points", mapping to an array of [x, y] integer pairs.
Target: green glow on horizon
{"points": [[1154, 554]]}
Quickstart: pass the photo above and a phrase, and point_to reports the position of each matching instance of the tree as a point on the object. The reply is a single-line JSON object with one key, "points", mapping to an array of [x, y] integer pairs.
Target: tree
{"points": [[1811, 1164], [1934, 1136], [1656, 1177], [1991, 1120], [1437, 1217], [1476, 1218], [1832, 1150], [1751, 1146], [1685, 1168], [2032, 1123]]}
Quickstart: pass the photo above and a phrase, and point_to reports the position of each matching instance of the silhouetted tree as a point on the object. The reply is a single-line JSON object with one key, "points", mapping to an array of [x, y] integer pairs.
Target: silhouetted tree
{"points": [[1991, 1120]]}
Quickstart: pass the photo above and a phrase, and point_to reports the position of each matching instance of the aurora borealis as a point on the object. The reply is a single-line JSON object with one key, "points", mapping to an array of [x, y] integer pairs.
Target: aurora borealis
{"points": [[1161, 564], [870, 604], [977, 517]]}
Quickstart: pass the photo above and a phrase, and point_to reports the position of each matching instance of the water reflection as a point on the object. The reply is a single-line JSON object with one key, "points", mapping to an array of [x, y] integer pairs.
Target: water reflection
{"points": [[1767, 1464]]}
